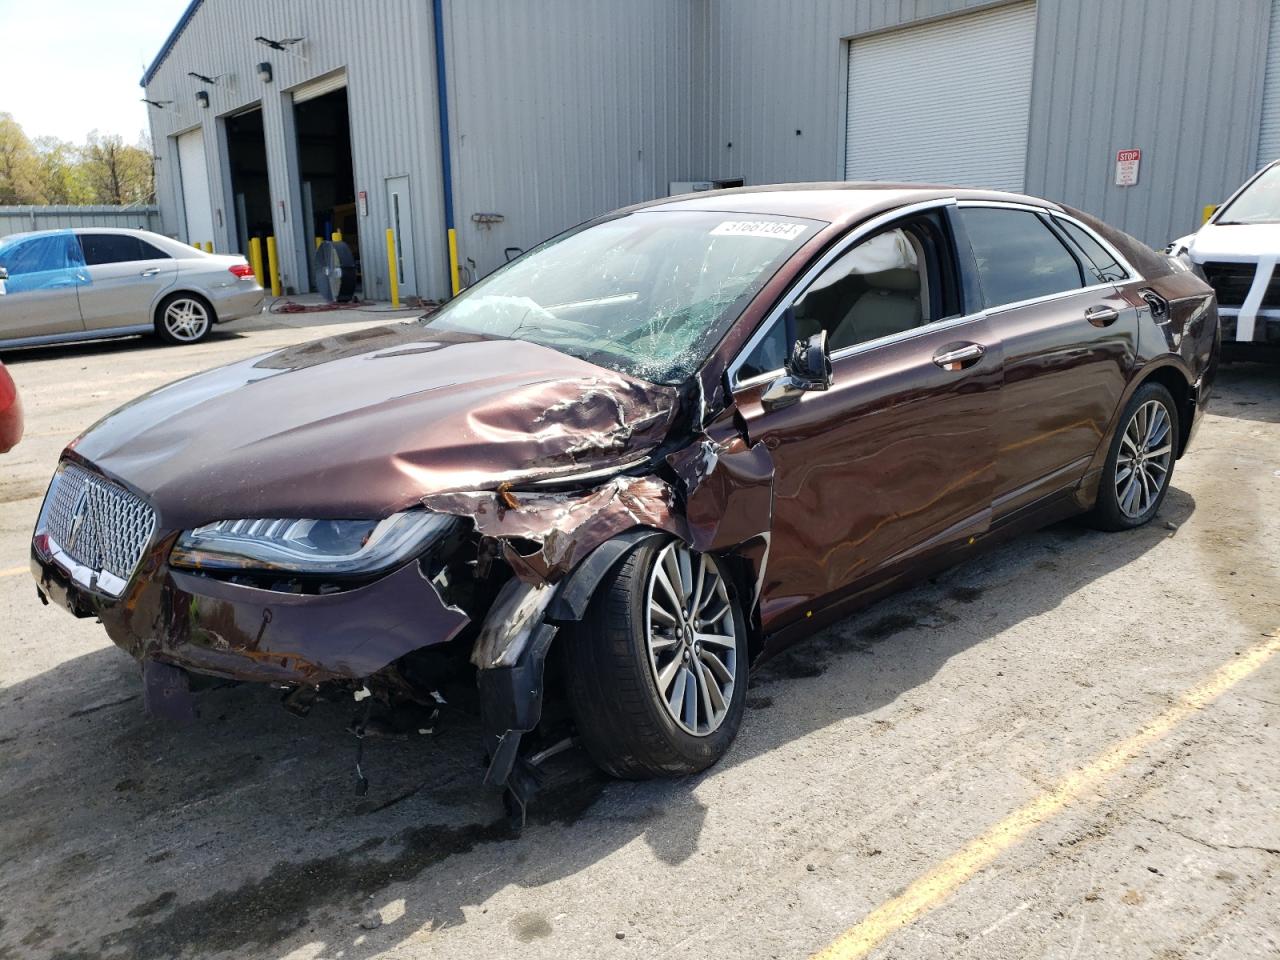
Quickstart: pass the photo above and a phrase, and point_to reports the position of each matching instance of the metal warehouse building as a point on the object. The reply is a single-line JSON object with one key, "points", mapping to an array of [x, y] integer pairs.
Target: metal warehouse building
{"points": [[557, 110]]}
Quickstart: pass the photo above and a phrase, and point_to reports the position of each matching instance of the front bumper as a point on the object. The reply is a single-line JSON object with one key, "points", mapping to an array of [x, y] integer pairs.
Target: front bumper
{"points": [[247, 633]]}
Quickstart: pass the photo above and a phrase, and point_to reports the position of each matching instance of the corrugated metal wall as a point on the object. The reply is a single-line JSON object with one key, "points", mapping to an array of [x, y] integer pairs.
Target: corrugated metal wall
{"points": [[20, 219], [386, 49], [777, 68], [1180, 79], [565, 109]]}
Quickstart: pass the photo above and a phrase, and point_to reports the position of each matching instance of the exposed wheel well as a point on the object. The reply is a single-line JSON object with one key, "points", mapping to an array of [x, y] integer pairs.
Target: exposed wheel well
{"points": [[1173, 380]]}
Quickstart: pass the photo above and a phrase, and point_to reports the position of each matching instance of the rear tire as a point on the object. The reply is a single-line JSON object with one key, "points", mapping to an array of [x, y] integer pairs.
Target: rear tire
{"points": [[638, 636], [1140, 461], [184, 318]]}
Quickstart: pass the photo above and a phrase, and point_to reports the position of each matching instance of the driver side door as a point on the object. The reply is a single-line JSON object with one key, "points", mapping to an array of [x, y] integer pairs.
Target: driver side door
{"points": [[896, 462], [41, 296]]}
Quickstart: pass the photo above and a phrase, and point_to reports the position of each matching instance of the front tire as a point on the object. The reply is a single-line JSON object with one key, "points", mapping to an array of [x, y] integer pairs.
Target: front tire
{"points": [[657, 670], [184, 318], [1140, 462]]}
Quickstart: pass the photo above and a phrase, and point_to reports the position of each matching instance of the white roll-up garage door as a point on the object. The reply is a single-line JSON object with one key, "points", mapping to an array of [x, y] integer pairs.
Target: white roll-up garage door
{"points": [[195, 187], [1269, 137], [319, 87], [944, 102]]}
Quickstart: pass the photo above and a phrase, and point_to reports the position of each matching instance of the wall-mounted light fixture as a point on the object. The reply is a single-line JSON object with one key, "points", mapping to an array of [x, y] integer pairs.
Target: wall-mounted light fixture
{"points": [[202, 98], [264, 72]]}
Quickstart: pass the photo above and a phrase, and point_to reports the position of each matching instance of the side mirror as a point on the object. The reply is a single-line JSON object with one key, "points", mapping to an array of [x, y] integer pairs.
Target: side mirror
{"points": [[808, 368], [810, 363]]}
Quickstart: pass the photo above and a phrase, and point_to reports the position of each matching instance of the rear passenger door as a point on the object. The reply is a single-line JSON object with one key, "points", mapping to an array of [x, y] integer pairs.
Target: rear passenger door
{"points": [[127, 274], [1069, 335]]}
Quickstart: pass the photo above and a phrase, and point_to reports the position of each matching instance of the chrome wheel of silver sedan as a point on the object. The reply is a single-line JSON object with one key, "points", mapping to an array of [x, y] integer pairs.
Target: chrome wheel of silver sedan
{"points": [[1142, 465], [185, 320], [691, 638]]}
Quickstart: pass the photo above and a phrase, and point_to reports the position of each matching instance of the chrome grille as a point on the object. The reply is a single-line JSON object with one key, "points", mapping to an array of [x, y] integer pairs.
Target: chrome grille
{"points": [[98, 523]]}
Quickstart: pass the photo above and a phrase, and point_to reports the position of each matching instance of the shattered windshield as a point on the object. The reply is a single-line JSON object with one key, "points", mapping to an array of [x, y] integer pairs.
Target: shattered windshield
{"points": [[647, 294], [1259, 203]]}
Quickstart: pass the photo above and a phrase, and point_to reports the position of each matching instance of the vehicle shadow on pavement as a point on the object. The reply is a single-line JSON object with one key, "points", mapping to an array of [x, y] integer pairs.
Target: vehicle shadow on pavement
{"points": [[242, 833], [106, 348], [1248, 391]]}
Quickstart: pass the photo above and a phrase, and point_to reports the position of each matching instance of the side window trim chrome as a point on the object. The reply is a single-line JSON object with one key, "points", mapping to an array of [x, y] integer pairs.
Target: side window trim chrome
{"points": [[798, 288]]}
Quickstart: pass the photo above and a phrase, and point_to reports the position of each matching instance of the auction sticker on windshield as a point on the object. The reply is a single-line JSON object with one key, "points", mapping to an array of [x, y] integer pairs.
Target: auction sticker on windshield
{"points": [[759, 228]]}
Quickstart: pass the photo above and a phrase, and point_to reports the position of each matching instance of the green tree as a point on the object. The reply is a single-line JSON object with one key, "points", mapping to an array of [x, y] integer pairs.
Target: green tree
{"points": [[61, 174], [19, 165], [116, 172]]}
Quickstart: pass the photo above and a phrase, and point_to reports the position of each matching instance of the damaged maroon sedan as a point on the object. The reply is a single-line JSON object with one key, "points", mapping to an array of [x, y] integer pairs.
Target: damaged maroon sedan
{"points": [[635, 460]]}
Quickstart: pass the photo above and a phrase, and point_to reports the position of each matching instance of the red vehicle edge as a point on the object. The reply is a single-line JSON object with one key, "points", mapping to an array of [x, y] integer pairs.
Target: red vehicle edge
{"points": [[10, 412]]}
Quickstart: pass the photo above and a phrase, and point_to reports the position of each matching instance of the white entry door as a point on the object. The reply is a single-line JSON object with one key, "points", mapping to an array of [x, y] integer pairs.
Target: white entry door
{"points": [[400, 211], [194, 175]]}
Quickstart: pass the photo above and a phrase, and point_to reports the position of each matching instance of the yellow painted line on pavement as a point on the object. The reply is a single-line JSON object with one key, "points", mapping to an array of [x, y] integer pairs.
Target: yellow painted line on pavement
{"points": [[14, 571], [931, 889]]}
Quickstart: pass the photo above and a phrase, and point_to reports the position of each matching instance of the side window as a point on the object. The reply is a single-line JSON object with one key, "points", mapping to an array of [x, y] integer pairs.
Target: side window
{"points": [[100, 248], [42, 262], [150, 252], [1105, 267], [39, 255], [1019, 258], [879, 288], [897, 280]]}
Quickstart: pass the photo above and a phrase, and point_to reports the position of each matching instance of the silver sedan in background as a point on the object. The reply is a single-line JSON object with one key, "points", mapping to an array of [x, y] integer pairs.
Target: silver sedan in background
{"points": [[92, 282]]}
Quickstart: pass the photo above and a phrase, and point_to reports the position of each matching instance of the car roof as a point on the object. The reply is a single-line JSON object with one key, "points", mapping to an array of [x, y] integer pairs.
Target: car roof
{"points": [[175, 248], [127, 231], [835, 202]]}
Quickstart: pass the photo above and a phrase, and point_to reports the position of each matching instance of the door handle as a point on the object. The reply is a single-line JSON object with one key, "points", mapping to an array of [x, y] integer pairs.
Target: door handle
{"points": [[1101, 316], [960, 357], [151, 272]]}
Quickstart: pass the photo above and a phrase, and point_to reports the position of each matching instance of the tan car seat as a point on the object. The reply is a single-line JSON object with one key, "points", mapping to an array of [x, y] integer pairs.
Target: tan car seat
{"points": [[891, 305]]}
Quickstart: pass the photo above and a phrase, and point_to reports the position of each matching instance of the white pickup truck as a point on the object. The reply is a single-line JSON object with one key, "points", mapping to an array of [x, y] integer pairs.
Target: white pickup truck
{"points": [[1236, 251]]}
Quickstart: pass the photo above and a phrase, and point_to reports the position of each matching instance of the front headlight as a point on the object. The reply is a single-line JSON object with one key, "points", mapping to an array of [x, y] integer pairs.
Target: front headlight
{"points": [[331, 547]]}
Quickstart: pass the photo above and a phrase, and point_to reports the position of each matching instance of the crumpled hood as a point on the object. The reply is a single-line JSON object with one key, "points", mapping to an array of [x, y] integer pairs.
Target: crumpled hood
{"points": [[1246, 241], [368, 423]]}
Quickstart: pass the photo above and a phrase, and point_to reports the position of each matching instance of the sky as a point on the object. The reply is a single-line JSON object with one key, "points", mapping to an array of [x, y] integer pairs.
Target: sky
{"points": [[71, 66]]}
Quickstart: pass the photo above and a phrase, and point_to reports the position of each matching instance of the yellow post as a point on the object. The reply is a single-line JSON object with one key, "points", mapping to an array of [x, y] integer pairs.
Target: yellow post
{"points": [[273, 266], [255, 260], [454, 282], [337, 236], [319, 240], [391, 268], [208, 246], [1209, 211]]}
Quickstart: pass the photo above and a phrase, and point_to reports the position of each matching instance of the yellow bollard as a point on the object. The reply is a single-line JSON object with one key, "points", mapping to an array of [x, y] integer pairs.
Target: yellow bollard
{"points": [[255, 259], [455, 281], [319, 240], [273, 267], [208, 246], [337, 236], [391, 268], [1209, 211]]}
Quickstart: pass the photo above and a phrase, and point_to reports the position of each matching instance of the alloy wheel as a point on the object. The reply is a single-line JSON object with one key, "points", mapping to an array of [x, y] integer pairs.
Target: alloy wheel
{"points": [[186, 319], [1142, 464], [691, 638]]}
